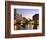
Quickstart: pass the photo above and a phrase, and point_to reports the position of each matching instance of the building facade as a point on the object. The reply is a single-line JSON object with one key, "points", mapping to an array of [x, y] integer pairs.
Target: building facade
{"points": [[36, 19]]}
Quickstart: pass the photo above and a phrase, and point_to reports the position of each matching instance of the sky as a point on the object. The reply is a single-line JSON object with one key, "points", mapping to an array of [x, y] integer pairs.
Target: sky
{"points": [[28, 13]]}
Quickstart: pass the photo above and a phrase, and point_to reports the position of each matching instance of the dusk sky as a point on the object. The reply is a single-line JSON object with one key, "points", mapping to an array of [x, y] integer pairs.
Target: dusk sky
{"points": [[28, 13]]}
